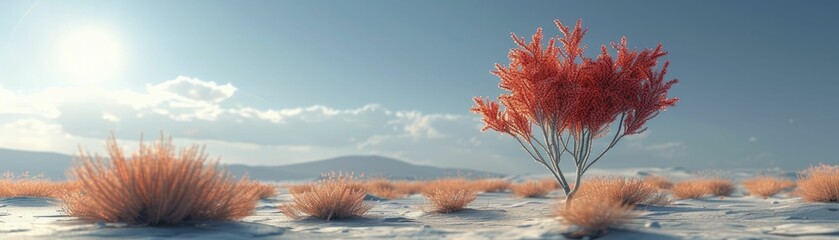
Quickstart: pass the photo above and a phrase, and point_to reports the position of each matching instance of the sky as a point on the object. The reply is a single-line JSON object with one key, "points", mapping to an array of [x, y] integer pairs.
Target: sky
{"points": [[281, 82]]}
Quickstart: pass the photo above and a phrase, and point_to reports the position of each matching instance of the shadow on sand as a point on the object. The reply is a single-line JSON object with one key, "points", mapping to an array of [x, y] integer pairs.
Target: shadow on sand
{"points": [[204, 230]]}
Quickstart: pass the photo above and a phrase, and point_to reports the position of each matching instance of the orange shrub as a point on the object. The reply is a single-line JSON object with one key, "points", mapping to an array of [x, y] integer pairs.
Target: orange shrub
{"points": [[692, 189], [408, 187], [819, 184], [718, 186], [623, 191], [531, 189], [766, 186], [331, 198], [299, 188], [156, 185], [491, 185], [25, 186], [264, 190], [550, 183], [449, 195], [382, 188], [659, 182], [593, 216]]}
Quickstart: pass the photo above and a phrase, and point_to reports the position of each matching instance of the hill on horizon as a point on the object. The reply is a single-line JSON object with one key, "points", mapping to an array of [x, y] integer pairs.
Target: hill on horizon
{"points": [[54, 166], [369, 166]]}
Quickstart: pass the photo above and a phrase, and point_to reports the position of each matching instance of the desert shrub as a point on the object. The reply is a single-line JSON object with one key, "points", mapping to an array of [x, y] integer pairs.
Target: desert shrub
{"points": [[593, 216], [26, 186], [491, 185], [331, 198], [382, 188], [156, 185], [408, 187], [624, 191], [819, 184], [550, 183], [299, 188], [766, 186], [659, 182], [691, 189], [448, 195], [531, 189], [263, 190], [718, 186]]}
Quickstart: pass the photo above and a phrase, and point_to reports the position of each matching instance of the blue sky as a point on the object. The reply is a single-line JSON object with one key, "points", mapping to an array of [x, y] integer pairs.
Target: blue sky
{"points": [[275, 82]]}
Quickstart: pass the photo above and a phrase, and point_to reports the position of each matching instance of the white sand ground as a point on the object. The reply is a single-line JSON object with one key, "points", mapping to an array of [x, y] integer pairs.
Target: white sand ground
{"points": [[491, 216]]}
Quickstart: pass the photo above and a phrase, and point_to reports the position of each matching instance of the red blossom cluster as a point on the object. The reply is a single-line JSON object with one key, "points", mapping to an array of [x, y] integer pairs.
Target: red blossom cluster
{"points": [[558, 89]]}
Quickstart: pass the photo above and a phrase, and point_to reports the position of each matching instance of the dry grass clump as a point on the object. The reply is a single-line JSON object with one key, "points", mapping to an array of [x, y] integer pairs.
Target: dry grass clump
{"points": [[550, 183], [299, 188], [593, 215], [623, 191], [659, 182], [331, 198], [156, 185], [448, 195], [263, 190], [689, 190], [531, 189], [26, 186], [697, 188], [382, 188], [491, 185], [766, 186], [819, 184], [718, 186], [408, 187]]}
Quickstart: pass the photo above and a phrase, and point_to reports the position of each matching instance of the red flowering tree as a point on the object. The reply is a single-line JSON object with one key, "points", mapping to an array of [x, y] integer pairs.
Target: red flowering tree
{"points": [[558, 101]]}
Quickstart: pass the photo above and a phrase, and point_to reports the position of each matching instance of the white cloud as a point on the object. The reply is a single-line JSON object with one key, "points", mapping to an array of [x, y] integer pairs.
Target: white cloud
{"points": [[110, 117], [25, 105], [752, 139], [638, 137], [667, 150], [189, 91], [32, 134]]}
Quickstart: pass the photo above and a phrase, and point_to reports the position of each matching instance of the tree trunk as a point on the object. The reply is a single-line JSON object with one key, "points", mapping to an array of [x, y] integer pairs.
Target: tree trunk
{"points": [[570, 196]]}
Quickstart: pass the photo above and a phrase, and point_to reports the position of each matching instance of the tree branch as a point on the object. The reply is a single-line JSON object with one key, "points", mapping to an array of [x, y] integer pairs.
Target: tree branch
{"points": [[615, 140]]}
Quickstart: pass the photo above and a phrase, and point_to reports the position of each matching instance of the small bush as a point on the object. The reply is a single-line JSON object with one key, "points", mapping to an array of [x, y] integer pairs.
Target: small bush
{"points": [[331, 198], [692, 189], [550, 183], [593, 215], [491, 185], [531, 189], [718, 186], [156, 185], [408, 187], [623, 192], [819, 184], [299, 188], [263, 190], [659, 182], [26, 186], [766, 186], [382, 188], [449, 195]]}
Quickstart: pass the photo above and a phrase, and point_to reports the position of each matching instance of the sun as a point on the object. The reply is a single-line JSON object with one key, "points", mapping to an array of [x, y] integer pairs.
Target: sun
{"points": [[89, 55]]}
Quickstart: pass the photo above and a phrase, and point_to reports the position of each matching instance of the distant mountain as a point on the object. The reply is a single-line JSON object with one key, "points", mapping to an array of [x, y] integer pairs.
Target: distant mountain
{"points": [[54, 166], [370, 166], [51, 165]]}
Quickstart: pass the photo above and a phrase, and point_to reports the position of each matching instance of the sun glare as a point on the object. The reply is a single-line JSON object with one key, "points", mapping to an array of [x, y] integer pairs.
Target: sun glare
{"points": [[89, 55]]}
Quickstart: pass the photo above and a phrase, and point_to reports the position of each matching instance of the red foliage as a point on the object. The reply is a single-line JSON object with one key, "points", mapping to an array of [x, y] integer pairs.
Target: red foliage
{"points": [[558, 89]]}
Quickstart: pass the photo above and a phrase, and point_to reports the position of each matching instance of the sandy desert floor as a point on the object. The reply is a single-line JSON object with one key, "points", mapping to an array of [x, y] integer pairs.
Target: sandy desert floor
{"points": [[491, 216]]}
